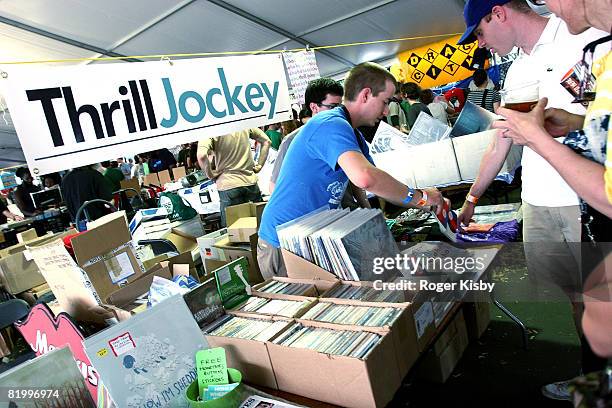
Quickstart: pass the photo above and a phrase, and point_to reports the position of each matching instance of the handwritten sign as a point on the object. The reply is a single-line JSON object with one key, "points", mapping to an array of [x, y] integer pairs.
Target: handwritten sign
{"points": [[211, 365], [302, 68]]}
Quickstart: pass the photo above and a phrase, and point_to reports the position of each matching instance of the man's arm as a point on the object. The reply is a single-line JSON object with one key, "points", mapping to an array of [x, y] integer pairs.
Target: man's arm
{"points": [[259, 136], [365, 176], [204, 146], [490, 165]]}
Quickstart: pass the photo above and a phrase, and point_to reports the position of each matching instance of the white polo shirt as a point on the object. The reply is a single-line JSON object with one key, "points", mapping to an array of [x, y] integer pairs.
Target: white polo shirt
{"points": [[551, 58]]}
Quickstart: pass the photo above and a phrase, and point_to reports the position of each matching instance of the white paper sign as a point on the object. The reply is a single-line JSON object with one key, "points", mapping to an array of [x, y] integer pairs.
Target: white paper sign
{"points": [[302, 68], [72, 116]]}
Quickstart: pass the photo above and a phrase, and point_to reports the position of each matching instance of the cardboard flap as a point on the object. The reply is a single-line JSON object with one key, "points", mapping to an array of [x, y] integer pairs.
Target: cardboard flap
{"points": [[151, 179], [138, 287], [300, 268], [178, 172], [164, 177]]}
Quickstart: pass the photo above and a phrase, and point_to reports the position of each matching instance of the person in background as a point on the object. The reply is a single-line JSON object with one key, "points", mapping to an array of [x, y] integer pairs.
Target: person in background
{"points": [[83, 184], [287, 127], [6, 215], [51, 180], [23, 199], [160, 160], [274, 135], [588, 172], [397, 115], [228, 161], [412, 94], [192, 158], [183, 155], [456, 97], [551, 214], [124, 168], [439, 109], [481, 94], [305, 115], [112, 174], [138, 168]]}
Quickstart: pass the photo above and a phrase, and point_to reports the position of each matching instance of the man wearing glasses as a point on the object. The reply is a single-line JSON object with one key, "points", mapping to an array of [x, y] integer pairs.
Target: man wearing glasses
{"points": [[550, 207]]}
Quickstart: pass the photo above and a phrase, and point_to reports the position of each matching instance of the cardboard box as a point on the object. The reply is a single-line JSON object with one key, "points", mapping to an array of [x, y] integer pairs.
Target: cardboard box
{"points": [[340, 380], [242, 229], [181, 243], [178, 172], [211, 264], [125, 296], [300, 268], [234, 212], [18, 272], [477, 315], [250, 357], [469, 150], [402, 330], [206, 243], [131, 183], [106, 254], [151, 179], [164, 177], [26, 235], [439, 363], [234, 251]]}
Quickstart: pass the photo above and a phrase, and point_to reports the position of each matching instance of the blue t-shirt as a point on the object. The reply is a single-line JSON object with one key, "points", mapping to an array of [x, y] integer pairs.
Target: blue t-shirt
{"points": [[311, 177]]}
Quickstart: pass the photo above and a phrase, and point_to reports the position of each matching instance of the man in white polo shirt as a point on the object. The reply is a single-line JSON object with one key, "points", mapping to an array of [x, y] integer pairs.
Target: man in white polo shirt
{"points": [[550, 207]]}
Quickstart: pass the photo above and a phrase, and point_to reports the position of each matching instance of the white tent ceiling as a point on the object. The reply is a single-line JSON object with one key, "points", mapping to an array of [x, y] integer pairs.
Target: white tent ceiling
{"points": [[63, 29]]}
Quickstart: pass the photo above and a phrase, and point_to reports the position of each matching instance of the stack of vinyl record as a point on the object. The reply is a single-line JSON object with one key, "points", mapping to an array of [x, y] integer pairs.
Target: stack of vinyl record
{"points": [[278, 307], [341, 242], [246, 328], [285, 288], [339, 342], [365, 294], [353, 315]]}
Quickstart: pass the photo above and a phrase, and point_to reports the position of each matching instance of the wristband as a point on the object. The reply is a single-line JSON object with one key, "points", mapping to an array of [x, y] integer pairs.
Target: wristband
{"points": [[423, 201], [471, 198], [409, 196]]}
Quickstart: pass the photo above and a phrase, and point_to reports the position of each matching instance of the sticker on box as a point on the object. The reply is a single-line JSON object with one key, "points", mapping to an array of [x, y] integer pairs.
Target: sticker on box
{"points": [[423, 318], [122, 344]]}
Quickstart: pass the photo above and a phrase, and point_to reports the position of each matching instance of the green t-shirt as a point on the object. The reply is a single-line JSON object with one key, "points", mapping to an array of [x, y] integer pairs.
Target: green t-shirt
{"points": [[275, 137], [114, 177]]}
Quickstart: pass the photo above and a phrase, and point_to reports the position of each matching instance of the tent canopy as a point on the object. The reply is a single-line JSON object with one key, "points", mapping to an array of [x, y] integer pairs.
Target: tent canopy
{"points": [[66, 29]]}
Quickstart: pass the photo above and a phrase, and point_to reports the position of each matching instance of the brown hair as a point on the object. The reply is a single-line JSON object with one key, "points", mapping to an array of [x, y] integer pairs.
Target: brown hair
{"points": [[367, 75]]}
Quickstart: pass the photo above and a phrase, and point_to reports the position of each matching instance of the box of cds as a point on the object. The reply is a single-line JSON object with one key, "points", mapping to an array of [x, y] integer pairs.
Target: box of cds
{"points": [[330, 363], [256, 306], [244, 340], [286, 288], [392, 318]]}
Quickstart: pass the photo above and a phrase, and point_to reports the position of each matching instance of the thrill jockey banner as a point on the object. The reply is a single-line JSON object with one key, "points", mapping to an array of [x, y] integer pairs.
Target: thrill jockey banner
{"points": [[67, 117], [437, 64]]}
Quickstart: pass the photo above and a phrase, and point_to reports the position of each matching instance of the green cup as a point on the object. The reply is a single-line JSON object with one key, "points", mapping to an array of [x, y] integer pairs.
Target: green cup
{"points": [[231, 399]]}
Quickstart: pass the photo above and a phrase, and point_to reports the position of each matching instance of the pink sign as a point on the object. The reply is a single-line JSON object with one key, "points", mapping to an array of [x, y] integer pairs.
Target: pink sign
{"points": [[45, 332]]}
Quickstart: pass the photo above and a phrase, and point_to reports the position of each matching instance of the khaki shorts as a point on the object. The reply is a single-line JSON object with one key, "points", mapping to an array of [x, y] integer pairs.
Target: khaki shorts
{"points": [[270, 260]]}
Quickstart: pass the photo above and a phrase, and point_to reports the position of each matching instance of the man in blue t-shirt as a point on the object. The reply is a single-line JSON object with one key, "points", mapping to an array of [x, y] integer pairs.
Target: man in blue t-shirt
{"points": [[326, 154]]}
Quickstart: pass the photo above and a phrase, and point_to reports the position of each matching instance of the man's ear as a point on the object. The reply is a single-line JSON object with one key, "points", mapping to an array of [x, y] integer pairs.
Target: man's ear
{"points": [[314, 108], [500, 13], [364, 95]]}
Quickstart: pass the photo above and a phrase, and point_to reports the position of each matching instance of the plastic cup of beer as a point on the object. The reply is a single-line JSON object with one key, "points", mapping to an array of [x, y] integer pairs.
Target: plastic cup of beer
{"points": [[521, 98]]}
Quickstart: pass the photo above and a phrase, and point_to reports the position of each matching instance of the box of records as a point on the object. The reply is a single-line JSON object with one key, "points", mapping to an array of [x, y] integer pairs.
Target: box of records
{"points": [[334, 364], [244, 341], [395, 319], [256, 306], [287, 288], [420, 312]]}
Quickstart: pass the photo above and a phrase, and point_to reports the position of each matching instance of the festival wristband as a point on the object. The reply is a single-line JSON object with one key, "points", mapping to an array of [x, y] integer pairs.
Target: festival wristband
{"points": [[423, 201], [472, 199], [409, 196]]}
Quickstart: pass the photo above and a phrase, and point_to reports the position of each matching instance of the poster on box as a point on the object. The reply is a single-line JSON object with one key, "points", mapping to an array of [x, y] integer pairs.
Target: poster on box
{"points": [[72, 116]]}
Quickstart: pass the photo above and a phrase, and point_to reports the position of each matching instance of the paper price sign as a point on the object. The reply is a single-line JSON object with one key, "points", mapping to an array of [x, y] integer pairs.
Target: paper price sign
{"points": [[211, 367]]}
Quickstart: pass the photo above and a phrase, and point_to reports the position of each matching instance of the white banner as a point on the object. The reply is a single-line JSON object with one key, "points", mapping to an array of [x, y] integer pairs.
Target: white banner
{"points": [[301, 68], [67, 117]]}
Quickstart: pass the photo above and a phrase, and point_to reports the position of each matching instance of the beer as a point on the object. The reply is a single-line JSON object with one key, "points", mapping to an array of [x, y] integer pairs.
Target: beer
{"points": [[520, 106]]}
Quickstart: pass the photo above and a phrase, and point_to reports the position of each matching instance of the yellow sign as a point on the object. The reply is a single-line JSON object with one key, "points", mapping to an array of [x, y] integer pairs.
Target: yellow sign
{"points": [[437, 64]]}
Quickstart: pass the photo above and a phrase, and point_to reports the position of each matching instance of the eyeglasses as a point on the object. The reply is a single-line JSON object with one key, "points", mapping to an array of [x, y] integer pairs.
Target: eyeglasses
{"points": [[586, 91], [329, 105]]}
